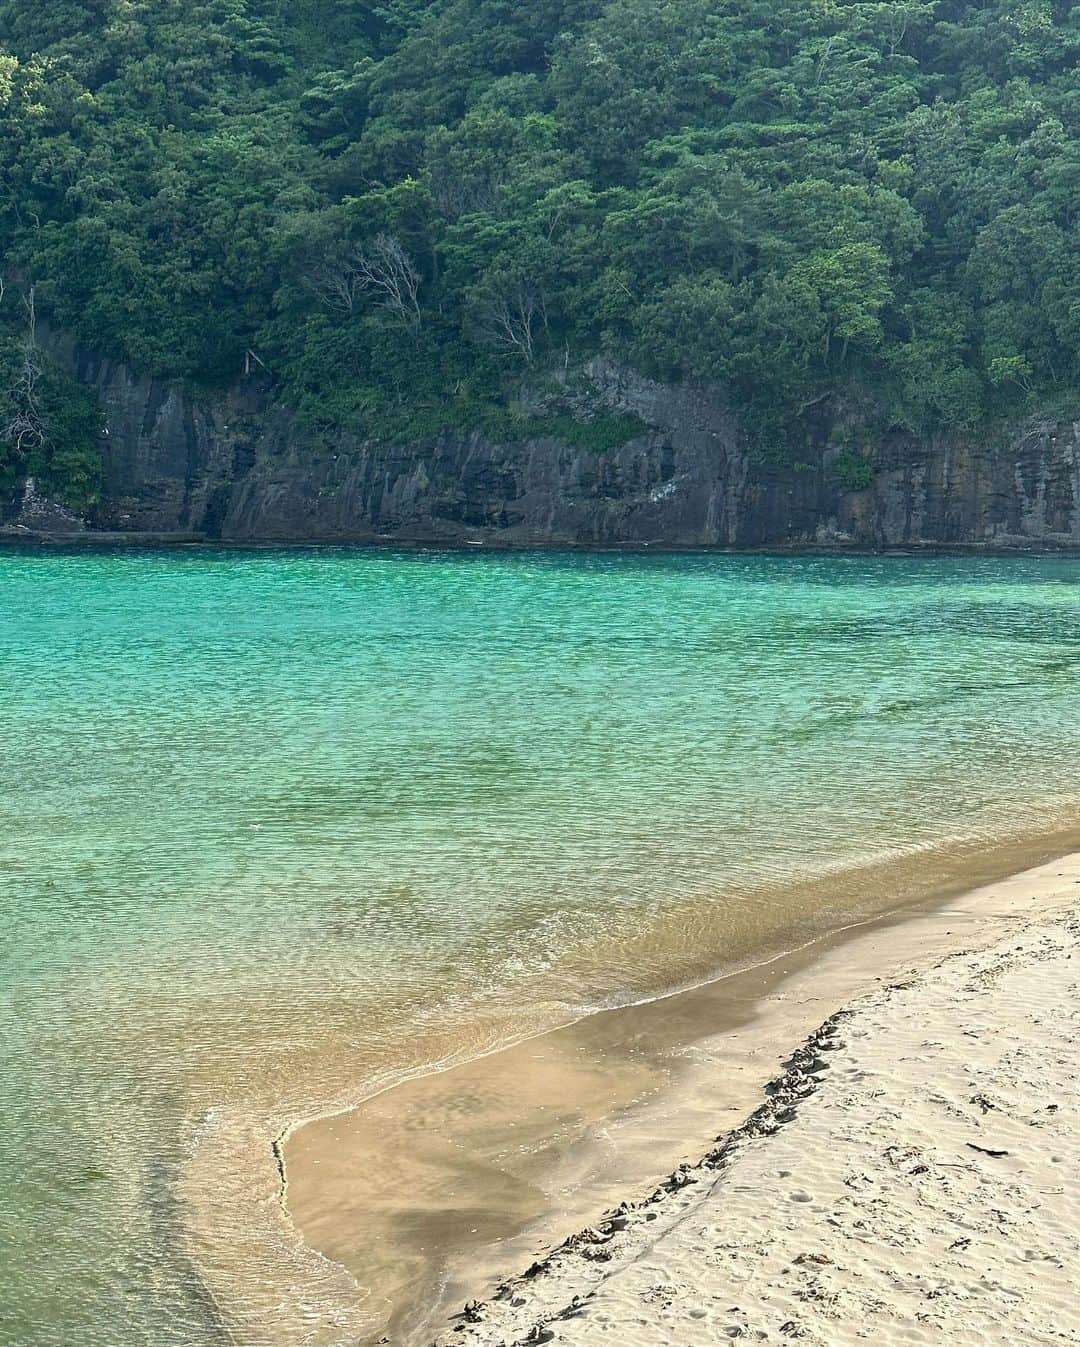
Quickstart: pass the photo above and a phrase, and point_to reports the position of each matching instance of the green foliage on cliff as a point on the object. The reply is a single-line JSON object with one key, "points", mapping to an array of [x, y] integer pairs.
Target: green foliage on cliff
{"points": [[402, 211], [851, 471], [49, 423]]}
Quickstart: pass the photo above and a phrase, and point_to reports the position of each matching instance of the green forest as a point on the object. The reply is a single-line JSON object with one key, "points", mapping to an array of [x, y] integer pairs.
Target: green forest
{"points": [[854, 217]]}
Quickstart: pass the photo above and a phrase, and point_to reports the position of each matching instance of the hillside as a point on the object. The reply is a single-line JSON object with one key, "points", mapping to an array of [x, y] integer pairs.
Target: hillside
{"points": [[858, 220]]}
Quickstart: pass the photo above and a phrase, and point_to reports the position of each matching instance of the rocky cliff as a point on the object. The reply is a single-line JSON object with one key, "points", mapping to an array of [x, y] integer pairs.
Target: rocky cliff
{"points": [[237, 468]]}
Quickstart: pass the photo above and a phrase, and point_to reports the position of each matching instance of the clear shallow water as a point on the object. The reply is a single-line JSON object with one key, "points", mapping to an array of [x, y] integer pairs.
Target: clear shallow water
{"points": [[276, 828]]}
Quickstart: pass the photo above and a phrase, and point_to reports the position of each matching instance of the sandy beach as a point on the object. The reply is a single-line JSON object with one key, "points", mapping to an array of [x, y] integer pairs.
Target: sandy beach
{"points": [[450, 1185], [909, 1177]]}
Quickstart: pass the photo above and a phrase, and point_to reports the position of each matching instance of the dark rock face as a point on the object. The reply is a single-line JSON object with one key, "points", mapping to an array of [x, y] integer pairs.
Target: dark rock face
{"points": [[237, 468]]}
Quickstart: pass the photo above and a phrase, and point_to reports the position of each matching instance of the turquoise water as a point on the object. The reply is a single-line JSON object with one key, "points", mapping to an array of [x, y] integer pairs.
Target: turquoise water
{"points": [[279, 827]]}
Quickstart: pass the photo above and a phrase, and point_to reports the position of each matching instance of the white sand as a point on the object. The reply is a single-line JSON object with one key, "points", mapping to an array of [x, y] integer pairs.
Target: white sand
{"points": [[855, 1205]]}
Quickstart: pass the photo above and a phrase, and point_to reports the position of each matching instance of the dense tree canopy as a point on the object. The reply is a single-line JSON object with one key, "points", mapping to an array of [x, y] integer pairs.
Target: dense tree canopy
{"points": [[399, 209]]}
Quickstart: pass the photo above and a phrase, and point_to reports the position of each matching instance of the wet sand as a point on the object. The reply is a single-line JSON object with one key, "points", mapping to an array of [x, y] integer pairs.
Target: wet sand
{"points": [[910, 1178], [434, 1191]]}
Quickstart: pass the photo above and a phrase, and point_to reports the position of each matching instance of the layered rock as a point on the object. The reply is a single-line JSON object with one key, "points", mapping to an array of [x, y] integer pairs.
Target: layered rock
{"points": [[238, 468]]}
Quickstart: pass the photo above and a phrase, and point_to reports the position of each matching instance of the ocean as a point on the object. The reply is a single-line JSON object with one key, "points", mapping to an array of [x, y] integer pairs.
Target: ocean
{"points": [[281, 827]]}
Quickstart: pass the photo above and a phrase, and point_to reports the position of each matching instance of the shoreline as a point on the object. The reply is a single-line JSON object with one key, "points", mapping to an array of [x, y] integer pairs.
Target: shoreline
{"points": [[800, 1222], [94, 539], [347, 1192]]}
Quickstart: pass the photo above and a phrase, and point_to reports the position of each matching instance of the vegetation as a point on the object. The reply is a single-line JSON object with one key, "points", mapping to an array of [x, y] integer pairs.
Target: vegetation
{"points": [[851, 471], [405, 211], [49, 423]]}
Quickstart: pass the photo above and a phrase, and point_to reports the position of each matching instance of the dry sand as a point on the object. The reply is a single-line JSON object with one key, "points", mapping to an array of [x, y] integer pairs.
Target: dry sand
{"points": [[911, 1178]]}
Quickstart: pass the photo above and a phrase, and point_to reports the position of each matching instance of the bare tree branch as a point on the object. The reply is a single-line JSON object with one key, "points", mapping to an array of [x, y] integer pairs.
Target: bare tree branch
{"points": [[509, 315], [334, 282], [456, 196], [25, 428], [381, 271], [387, 276]]}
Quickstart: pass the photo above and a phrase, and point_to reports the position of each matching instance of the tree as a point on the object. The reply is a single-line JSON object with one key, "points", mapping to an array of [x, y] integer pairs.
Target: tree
{"points": [[335, 282], [508, 308], [381, 271], [49, 424], [23, 426], [386, 275], [852, 287]]}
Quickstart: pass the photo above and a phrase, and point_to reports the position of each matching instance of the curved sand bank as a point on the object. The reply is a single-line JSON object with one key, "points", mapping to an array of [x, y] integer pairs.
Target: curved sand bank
{"points": [[911, 1178], [433, 1191]]}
